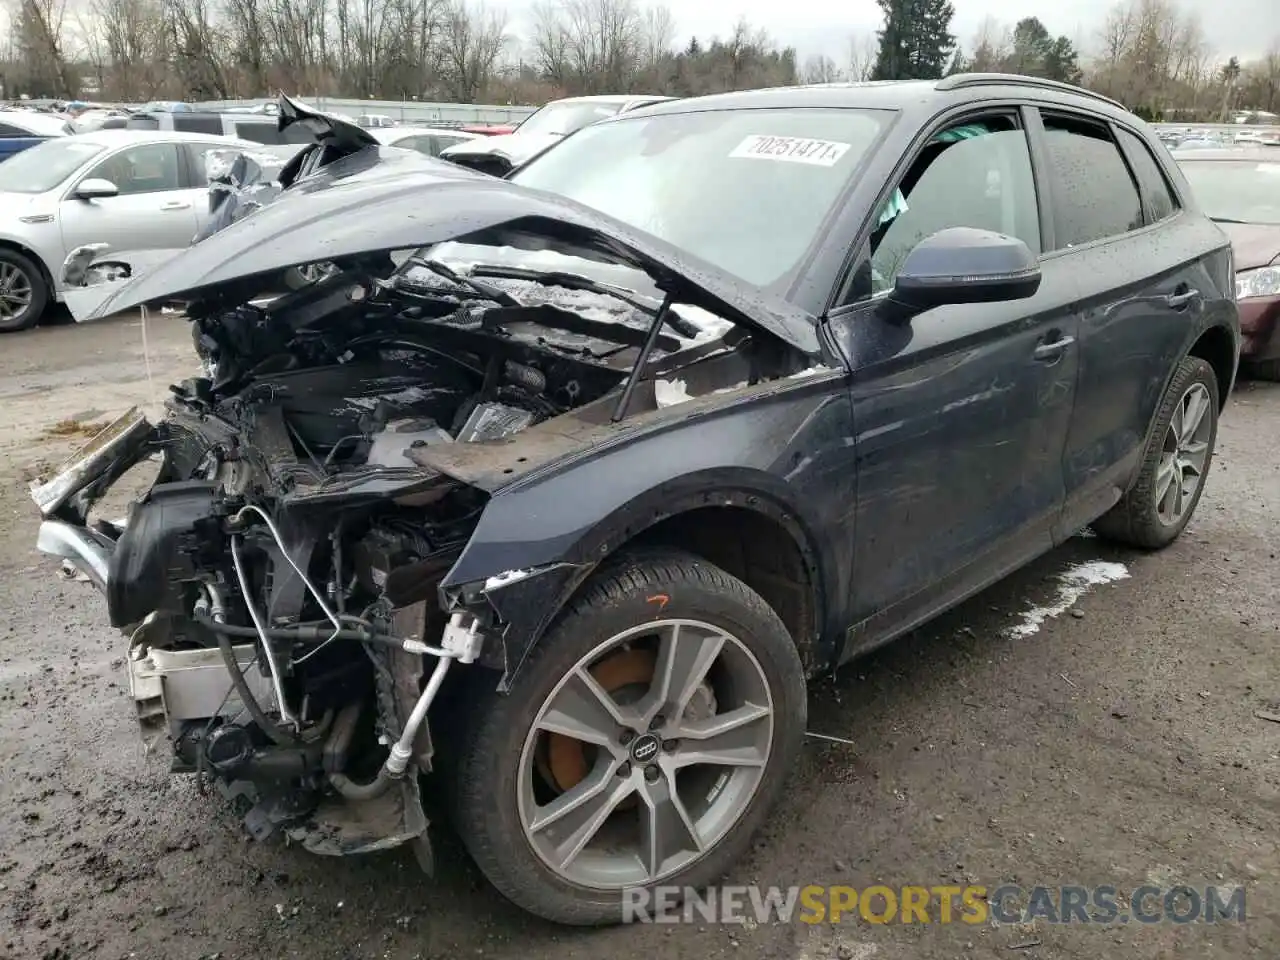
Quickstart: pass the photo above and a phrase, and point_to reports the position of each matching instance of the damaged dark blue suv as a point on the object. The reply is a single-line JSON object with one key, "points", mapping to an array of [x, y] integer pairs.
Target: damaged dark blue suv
{"points": [[593, 466]]}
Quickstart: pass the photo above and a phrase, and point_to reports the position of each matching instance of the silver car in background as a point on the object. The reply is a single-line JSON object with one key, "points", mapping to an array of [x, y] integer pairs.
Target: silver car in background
{"points": [[426, 140], [128, 189]]}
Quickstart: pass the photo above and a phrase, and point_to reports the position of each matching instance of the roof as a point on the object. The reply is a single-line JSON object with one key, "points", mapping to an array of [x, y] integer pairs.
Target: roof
{"points": [[894, 95], [37, 124], [612, 98], [122, 137], [1246, 153]]}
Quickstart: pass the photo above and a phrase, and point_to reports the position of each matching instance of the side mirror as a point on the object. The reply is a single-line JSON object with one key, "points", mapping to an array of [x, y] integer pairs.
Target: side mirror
{"points": [[964, 265], [95, 188]]}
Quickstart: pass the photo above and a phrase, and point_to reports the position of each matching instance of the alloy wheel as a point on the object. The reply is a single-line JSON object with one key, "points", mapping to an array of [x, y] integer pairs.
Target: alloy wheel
{"points": [[1185, 454], [645, 754], [15, 291]]}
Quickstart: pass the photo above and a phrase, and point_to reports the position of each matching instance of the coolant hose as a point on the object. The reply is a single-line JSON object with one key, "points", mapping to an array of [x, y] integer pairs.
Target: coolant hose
{"points": [[362, 791], [269, 726], [336, 750]]}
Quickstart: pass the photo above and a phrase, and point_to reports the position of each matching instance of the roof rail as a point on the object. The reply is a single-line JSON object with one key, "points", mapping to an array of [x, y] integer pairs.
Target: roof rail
{"points": [[959, 81]]}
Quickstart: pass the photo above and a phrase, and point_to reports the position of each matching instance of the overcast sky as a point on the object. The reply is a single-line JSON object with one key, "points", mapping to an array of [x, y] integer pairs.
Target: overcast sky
{"points": [[1244, 28]]}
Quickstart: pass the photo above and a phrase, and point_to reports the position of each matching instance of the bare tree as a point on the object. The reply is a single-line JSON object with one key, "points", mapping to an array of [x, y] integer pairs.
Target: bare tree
{"points": [[862, 50], [473, 42], [657, 32], [992, 45], [820, 69], [40, 34]]}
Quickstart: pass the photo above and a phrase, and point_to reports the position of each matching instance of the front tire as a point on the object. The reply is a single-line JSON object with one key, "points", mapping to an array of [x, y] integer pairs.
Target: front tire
{"points": [[1175, 464], [23, 292], [567, 790]]}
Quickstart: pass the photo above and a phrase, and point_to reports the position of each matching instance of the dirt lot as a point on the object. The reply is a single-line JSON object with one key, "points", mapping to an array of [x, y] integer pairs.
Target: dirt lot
{"points": [[1116, 744]]}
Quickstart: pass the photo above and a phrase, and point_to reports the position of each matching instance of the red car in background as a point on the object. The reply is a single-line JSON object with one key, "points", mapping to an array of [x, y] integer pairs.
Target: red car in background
{"points": [[1239, 188], [489, 129]]}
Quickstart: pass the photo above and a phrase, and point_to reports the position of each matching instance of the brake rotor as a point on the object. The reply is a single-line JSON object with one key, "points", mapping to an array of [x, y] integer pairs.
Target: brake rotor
{"points": [[564, 763]]}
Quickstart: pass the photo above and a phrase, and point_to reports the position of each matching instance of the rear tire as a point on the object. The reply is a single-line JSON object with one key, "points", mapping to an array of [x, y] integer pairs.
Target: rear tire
{"points": [[1145, 517], [20, 279], [497, 819]]}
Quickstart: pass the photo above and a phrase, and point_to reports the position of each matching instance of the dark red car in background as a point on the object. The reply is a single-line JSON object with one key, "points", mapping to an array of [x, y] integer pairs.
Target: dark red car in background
{"points": [[1239, 187]]}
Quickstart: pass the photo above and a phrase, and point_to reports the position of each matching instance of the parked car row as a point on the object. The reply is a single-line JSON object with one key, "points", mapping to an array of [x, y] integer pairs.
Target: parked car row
{"points": [[561, 486]]}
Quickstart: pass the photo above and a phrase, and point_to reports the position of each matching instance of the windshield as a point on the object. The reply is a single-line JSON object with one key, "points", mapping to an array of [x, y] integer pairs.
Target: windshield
{"points": [[564, 118], [46, 165], [746, 190], [1243, 190]]}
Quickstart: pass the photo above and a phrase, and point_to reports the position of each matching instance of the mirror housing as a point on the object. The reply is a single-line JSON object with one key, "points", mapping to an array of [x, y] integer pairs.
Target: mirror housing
{"points": [[95, 188], [965, 265]]}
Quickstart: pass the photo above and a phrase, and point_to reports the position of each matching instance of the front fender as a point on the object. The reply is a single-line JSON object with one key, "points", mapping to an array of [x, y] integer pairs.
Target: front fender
{"points": [[537, 541]]}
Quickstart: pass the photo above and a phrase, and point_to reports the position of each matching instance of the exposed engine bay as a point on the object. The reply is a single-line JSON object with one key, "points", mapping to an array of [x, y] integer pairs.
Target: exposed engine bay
{"points": [[280, 579]]}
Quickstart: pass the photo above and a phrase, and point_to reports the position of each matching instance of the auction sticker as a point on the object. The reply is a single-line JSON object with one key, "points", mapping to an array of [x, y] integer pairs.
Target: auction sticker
{"points": [[817, 153]]}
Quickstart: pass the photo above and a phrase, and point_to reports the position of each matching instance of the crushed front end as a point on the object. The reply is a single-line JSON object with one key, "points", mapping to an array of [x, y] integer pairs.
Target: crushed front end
{"points": [[280, 582]]}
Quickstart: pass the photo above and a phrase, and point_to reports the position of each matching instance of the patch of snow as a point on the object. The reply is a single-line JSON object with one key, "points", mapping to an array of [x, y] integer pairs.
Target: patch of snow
{"points": [[670, 392], [809, 372], [1073, 583]]}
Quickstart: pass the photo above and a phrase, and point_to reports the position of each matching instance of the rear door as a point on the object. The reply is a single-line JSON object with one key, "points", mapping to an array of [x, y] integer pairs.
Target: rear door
{"points": [[155, 207], [962, 412], [1117, 228]]}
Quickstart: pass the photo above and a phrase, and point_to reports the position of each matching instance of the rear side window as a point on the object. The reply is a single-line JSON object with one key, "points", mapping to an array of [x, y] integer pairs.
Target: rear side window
{"points": [[1094, 196], [194, 123], [1151, 181], [259, 132]]}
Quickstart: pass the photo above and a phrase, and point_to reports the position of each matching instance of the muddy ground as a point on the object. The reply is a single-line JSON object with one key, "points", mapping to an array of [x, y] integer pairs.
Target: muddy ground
{"points": [[1117, 744]]}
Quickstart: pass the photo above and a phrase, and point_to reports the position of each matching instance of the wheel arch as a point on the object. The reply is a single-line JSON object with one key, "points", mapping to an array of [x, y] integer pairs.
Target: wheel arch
{"points": [[1216, 345], [34, 257], [749, 533]]}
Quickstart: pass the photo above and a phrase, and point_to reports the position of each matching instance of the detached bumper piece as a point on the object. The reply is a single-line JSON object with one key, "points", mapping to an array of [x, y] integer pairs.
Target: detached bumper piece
{"points": [[88, 550]]}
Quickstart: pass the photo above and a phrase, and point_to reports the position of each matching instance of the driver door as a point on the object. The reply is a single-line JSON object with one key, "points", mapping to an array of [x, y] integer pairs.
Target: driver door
{"points": [[154, 208], [962, 411]]}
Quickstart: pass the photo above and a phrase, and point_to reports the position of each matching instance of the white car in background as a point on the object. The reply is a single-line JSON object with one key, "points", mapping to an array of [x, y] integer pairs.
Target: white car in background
{"points": [[426, 140], [129, 189], [499, 155]]}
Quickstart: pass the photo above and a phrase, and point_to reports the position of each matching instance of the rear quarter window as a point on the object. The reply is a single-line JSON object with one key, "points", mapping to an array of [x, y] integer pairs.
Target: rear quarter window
{"points": [[259, 132], [7, 131], [1151, 179], [193, 123]]}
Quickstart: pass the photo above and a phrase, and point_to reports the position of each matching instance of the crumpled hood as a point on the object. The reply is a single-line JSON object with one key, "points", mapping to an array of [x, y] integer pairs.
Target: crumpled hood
{"points": [[401, 205], [325, 128], [515, 148], [1254, 244]]}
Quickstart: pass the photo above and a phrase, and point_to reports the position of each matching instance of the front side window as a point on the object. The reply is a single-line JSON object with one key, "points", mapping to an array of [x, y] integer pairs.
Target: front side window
{"points": [[976, 174], [1155, 188], [1094, 196], [46, 165], [746, 190], [149, 168]]}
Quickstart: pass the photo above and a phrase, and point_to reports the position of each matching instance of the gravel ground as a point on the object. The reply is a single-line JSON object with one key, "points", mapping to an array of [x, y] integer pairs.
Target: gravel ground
{"points": [[1117, 744]]}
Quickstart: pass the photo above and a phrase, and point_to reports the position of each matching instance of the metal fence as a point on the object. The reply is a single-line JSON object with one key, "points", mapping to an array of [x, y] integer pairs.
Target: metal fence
{"points": [[402, 111]]}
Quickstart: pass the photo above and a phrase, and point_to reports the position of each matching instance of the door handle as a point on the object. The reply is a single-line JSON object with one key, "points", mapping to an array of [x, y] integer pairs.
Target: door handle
{"points": [[175, 205], [1052, 351], [1180, 300]]}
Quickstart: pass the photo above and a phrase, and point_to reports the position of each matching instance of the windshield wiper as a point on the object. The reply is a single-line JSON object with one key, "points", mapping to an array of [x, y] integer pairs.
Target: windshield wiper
{"points": [[575, 281], [1226, 220], [486, 290]]}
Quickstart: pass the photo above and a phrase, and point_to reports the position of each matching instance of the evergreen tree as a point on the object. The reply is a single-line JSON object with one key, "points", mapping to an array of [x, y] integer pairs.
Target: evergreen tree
{"points": [[916, 40]]}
